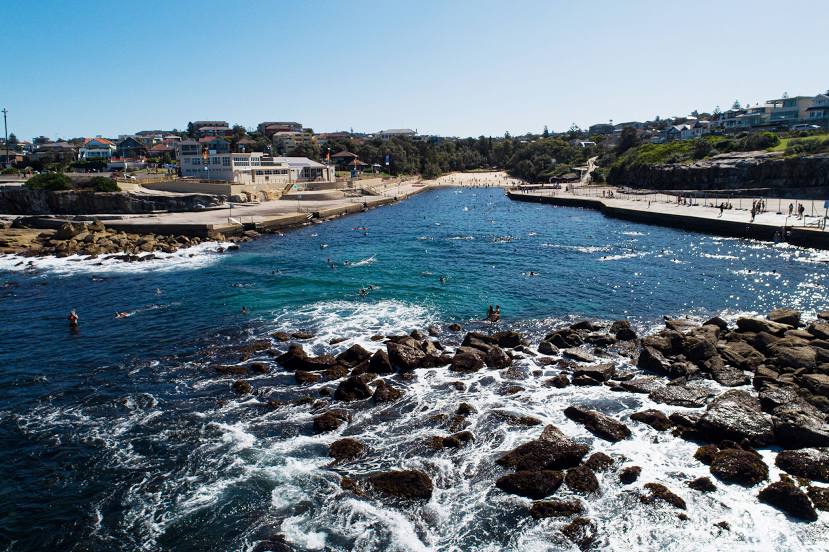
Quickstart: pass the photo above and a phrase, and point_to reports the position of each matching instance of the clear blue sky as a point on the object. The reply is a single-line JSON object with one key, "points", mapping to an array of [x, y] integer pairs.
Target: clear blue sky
{"points": [[447, 67]]}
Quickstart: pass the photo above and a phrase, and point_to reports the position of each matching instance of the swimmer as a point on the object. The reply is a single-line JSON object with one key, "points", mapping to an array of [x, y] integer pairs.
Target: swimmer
{"points": [[158, 291], [244, 310], [443, 279], [121, 314], [73, 319]]}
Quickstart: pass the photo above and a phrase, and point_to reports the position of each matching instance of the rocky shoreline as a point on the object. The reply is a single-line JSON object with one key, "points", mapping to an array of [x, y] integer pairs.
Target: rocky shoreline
{"points": [[778, 366]]}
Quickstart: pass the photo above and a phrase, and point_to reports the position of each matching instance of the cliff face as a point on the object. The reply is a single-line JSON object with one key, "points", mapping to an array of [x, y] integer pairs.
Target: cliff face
{"points": [[23, 201], [731, 171]]}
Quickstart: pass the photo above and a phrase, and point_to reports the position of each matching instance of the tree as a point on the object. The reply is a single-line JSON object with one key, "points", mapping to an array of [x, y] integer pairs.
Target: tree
{"points": [[49, 181], [717, 111], [40, 140], [695, 114], [103, 184], [627, 140], [546, 133], [191, 129], [239, 132], [736, 105], [13, 140]]}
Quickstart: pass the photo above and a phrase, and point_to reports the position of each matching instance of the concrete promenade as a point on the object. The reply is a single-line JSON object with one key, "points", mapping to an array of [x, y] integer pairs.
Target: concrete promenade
{"points": [[697, 214]]}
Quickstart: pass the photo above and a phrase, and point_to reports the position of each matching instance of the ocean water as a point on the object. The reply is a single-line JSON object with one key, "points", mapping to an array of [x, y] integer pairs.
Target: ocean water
{"points": [[123, 436]]}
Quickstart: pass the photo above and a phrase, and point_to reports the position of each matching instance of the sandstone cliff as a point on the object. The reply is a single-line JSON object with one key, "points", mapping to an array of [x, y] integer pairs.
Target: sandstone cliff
{"points": [[23, 201]]}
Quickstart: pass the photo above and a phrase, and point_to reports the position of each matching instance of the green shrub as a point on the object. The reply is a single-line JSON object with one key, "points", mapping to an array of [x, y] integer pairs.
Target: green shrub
{"points": [[103, 184], [49, 181], [8, 170], [760, 141]]}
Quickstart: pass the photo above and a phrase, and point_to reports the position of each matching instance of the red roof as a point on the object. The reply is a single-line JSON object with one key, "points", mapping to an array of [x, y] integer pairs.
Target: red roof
{"points": [[101, 140]]}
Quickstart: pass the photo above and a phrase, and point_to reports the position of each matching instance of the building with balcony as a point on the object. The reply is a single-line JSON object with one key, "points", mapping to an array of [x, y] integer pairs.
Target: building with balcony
{"points": [[96, 148]]}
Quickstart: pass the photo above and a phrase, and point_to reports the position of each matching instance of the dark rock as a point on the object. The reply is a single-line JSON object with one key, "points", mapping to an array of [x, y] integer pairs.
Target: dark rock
{"points": [[799, 424], [560, 381], [772, 397], [455, 327], [629, 474], [685, 420], [302, 377], [273, 543], [652, 360], [702, 484], [644, 384], [742, 355], [817, 383], [581, 531], [259, 367], [581, 479], [598, 461], [302, 334], [322, 362], [758, 325], [352, 389], [555, 508], [622, 330], [241, 387], [739, 466], [293, 359], [465, 409], [727, 376], [597, 423], [380, 363], [785, 355], [508, 339], [789, 317], [329, 421], [353, 356], [547, 348], [553, 450], [384, 392], [819, 497], [679, 324], [412, 484], [661, 492], [585, 380], [459, 439], [699, 347], [346, 449], [516, 419], [281, 336], [404, 356], [654, 418], [531, 484], [497, 358], [811, 463], [736, 415], [579, 355], [335, 372], [706, 453], [598, 372], [716, 321], [337, 340], [466, 362], [785, 496]]}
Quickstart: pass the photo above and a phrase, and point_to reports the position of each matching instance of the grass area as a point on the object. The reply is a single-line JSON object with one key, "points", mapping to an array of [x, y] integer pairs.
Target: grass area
{"points": [[784, 142]]}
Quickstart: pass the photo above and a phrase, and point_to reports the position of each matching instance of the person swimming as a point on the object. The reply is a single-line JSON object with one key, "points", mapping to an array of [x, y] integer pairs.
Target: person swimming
{"points": [[121, 314], [73, 319], [244, 310]]}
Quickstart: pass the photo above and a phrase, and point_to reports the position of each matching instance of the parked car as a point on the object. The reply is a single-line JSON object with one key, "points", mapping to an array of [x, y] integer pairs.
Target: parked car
{"points": [[805, 127]]}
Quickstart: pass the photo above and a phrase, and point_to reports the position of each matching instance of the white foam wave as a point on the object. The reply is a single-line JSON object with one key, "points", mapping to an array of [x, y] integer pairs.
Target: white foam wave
{"points": [[578, 248]]}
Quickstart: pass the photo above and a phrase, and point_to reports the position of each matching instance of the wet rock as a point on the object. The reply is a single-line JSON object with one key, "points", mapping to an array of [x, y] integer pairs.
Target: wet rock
{"points": [[302, 334], [455, 327], [736, 415], [346, 449], [553, 450], [508, 339], [273, 543], [352, 389], [330, 421], [758, 325], [405, 356], [789, 317], [660, 492], [739, 466], [258, 367], [465, 409], [799, 424], [724, 525], [716, 321], [516, 419], [811, 463], [705, 454], [581, 479], [598, 461], [559, 382], [380, 363], [547, 348], [622, 330], [241, 387], [644, 384], [457, 440], [281, 336], [466, 362], [337, 340], [742, 355], [353, 356], [579, 355], [581, 531], [585, 380], [231, 369], [785, 496], [411, 484], [819, 329], [293, 359], [497, 358], [384, 392], [817, 383], [531, 484], [629, 474], [702, 484], [599, 424], [555, 508], [302, 377], [685, 420], [727, 376], [598, 372], [819, 497], [654, 418], [652, 360], [336, 372], [322, 362]]}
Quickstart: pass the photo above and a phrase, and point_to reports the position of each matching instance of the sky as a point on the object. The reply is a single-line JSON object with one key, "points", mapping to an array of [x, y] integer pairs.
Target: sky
{"points": [[446, 67]]}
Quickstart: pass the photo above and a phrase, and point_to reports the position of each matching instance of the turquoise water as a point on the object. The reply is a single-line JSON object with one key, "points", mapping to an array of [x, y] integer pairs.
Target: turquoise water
{"points": [[121, 436]]}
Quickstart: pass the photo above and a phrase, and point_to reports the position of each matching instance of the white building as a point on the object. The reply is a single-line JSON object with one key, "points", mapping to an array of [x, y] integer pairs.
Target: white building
{"points": [[250, 168], [395, 132], [96, 148]]}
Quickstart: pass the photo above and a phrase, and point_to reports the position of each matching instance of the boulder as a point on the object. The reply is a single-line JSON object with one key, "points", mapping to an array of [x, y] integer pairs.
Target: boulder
{"points": [[579, 355], [241, 387], [644, 384], [705, 453], [598, 372], [652, 360], [629, 474], [758, 325], [622, 330], [786, 355], [654, 418], [281, 336], [329, 421], [790, 317], [352, 389], [384, 392], [786, 497], [457, 440], [293, 359], [817, 383], [555, 508], [716, 321], [819, 497], [599, 424], [559, 382], [380, 363], [411, 484], [531, 484], [353, 356], [736, 415], [702, 484], [819, 329], [811, 463], [581, 479], [508, 339], [699, 347], [553, 450], [547, 348], [466, 362], [582, 532], [465, 409], [598, 461], [727, 376], [302, 377], [455, 327], [739, 466], [346, 449], [681, 395], [741, 355], [799, 424], [497, 358], [405, 356], [659, 492]]}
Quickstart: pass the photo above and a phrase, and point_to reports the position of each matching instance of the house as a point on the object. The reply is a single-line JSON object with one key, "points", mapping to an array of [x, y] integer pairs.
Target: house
{"points": [[268, 128], [285, 141], [343, 158], [159, 151], [131, 148], [214, 131], [12, 157], [753, 117], [631, 124], [245, 144], [600, 128], [96, 148], [789, 111], [818, 112], [390, 133], [676, 132], [56, 152]]}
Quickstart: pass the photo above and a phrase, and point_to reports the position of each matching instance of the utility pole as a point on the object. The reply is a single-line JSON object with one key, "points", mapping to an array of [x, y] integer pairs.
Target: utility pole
{"points": [[6, 131]]}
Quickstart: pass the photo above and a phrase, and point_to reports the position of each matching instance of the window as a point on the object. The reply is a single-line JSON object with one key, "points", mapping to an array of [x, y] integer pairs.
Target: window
{"points": [[225, 161]]}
